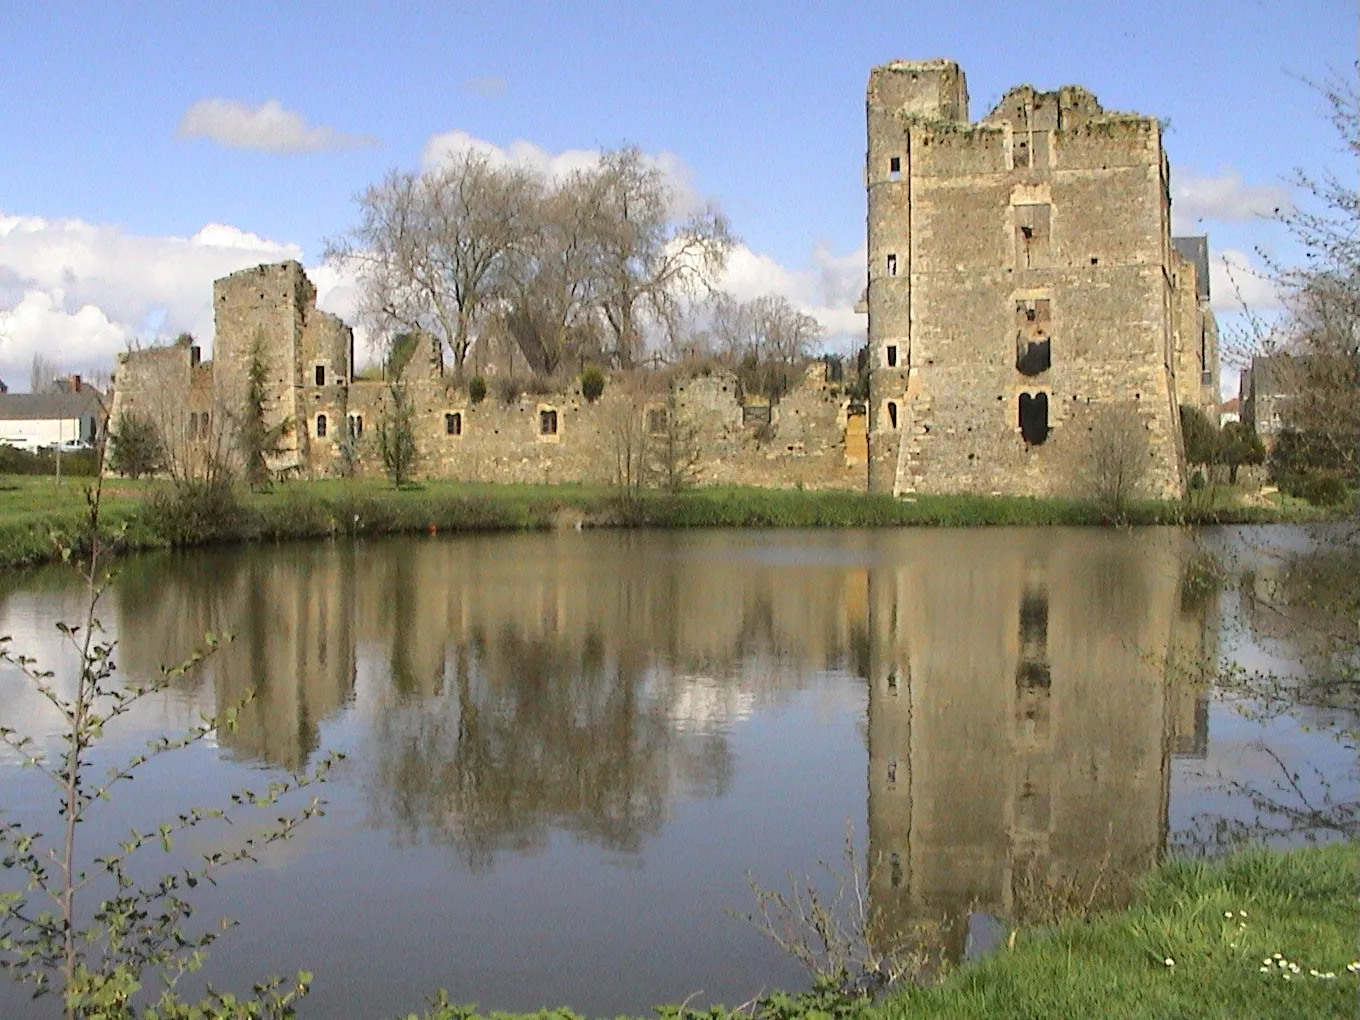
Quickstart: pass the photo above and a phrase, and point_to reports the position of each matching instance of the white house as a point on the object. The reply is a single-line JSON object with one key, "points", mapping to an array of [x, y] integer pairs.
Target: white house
{"points": [[71, 410]]}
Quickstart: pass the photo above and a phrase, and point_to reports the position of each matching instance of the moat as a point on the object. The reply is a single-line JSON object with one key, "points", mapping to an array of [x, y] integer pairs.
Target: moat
{"points": [[566, 752]]}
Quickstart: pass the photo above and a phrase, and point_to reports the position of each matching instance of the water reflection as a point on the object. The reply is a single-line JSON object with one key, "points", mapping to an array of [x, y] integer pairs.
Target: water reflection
{"points": [[1022, 718], [1029, 703]]}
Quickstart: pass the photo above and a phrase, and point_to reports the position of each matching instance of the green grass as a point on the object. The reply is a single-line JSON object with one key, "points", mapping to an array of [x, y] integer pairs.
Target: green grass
{"points": [[1301, 905], [34, 509]]}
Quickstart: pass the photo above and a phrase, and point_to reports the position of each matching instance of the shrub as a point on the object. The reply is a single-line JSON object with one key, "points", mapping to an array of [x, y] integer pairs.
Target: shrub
{"points": [[592, 383], [135, 446], [476, 389], [1321, 488], [14, 461], [508, 390], [1115, 458], [1200, 435], [195, 511]]}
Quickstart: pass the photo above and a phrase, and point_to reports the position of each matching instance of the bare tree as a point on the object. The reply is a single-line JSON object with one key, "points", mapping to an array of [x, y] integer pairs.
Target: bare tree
{"points": [[1320, 324], [648, 261], [42, 373], [1115, 460], [433, 249]]}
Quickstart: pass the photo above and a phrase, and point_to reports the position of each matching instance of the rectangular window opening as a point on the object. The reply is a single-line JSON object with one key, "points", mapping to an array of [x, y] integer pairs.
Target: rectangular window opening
{"points": [[892, 355], [321, 375], [892, 265], [895, 168], [547, 422], [453, 424]]}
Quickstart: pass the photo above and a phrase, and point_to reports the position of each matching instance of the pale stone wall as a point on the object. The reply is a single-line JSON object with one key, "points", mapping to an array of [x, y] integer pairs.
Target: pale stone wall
{"points": [[1049, 206]]}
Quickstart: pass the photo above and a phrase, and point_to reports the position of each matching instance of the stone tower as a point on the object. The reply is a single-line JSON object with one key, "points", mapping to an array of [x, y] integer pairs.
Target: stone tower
{"points": [[1020, 279]]}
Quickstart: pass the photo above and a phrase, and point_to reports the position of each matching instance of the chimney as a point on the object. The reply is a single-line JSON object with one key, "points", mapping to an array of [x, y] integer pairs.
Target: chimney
{"points": [[75, 384]]}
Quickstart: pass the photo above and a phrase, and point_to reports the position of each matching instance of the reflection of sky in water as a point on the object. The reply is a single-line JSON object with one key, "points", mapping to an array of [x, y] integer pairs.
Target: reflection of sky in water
{"points": [[565, 753]]}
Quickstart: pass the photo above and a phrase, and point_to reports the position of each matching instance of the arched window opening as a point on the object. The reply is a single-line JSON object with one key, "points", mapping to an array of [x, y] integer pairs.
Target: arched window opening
{"points": [[320, 426], [1034, 418], [892, 414]]}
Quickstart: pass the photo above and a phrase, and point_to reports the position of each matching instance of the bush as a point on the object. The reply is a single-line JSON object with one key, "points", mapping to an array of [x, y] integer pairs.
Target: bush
{"points": [[194, 511], [508, 390], [476, 389], [1321, 488], [1200, 434], [592, 383], [14, 461], [135, 446]]}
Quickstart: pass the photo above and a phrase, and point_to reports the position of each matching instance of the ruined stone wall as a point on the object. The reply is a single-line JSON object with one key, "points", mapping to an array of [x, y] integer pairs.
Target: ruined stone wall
{"points": [[562, 437], [270, 304], [1026, 257]]}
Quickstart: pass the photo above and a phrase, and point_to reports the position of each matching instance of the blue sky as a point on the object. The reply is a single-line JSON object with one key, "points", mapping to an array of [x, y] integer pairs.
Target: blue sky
{"points": [[104, 180]]}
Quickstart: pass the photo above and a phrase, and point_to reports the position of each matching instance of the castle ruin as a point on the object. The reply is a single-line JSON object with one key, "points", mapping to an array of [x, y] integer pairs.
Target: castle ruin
{"points": [[1021, 277]]}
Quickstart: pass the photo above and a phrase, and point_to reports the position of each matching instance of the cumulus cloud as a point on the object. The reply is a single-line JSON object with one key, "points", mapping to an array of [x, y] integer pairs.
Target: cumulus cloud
{"points": [[1238, 282], [79, 293], [1223, 199], [827, 290], [269, 127], [445, 147]]}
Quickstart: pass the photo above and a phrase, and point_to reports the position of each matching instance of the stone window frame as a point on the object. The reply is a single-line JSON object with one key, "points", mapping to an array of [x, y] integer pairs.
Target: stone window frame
{"points": [[319, 374], [320, 425], [454, 421], [354, 425], [891, 357], [544, 414]]}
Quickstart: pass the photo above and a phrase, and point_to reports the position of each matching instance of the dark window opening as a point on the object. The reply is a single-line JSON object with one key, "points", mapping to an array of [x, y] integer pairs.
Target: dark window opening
{"points": [[195, 354], [892, 414], [892, 355], [892, 680], [1034, 418], [1032, 358], [547, 422], [892, 265], [896, 870], [204, 424], [895, 168], [656, 420], [1033, 676], [453, 424], [1034, 618], [320, 426], [321, 375], [356, 426], [1020, 152]]}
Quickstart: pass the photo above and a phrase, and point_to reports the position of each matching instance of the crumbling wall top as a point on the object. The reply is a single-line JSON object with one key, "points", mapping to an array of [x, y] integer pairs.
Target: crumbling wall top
{"points": [[927, 89], [1065, 108]]}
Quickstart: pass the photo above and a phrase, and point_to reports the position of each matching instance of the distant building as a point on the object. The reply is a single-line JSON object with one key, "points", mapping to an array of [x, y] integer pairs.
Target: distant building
{"points": [[71, 410], [1264, 389], [1229, 410]]}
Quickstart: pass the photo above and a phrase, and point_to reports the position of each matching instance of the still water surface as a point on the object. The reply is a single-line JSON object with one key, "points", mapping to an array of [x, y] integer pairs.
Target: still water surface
{"points": [[566, 753]]}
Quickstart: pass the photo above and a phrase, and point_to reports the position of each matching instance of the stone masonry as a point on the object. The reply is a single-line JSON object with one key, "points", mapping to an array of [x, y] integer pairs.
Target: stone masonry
{"points": [[1021, 274]]}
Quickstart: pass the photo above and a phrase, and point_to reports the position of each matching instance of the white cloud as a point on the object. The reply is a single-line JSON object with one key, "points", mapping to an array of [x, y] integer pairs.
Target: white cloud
{"points": [[828, 290], [555, 166], [78, 292], [268, 127], [1223, 199], [1238, 283]]}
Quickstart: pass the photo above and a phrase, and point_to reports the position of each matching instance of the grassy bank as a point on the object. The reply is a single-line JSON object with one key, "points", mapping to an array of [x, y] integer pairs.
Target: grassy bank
{"points": [[1260, 934], [144, 516]]}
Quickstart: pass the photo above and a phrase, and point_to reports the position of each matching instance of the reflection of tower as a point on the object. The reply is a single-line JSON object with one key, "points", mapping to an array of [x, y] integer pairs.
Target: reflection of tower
{"points": [[1033, 738], [1019, 721]]}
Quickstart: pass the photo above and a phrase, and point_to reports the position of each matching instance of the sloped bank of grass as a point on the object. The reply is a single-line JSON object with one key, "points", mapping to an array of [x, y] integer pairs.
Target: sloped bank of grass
{"points": [[145, 516], [1259, 934]]}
